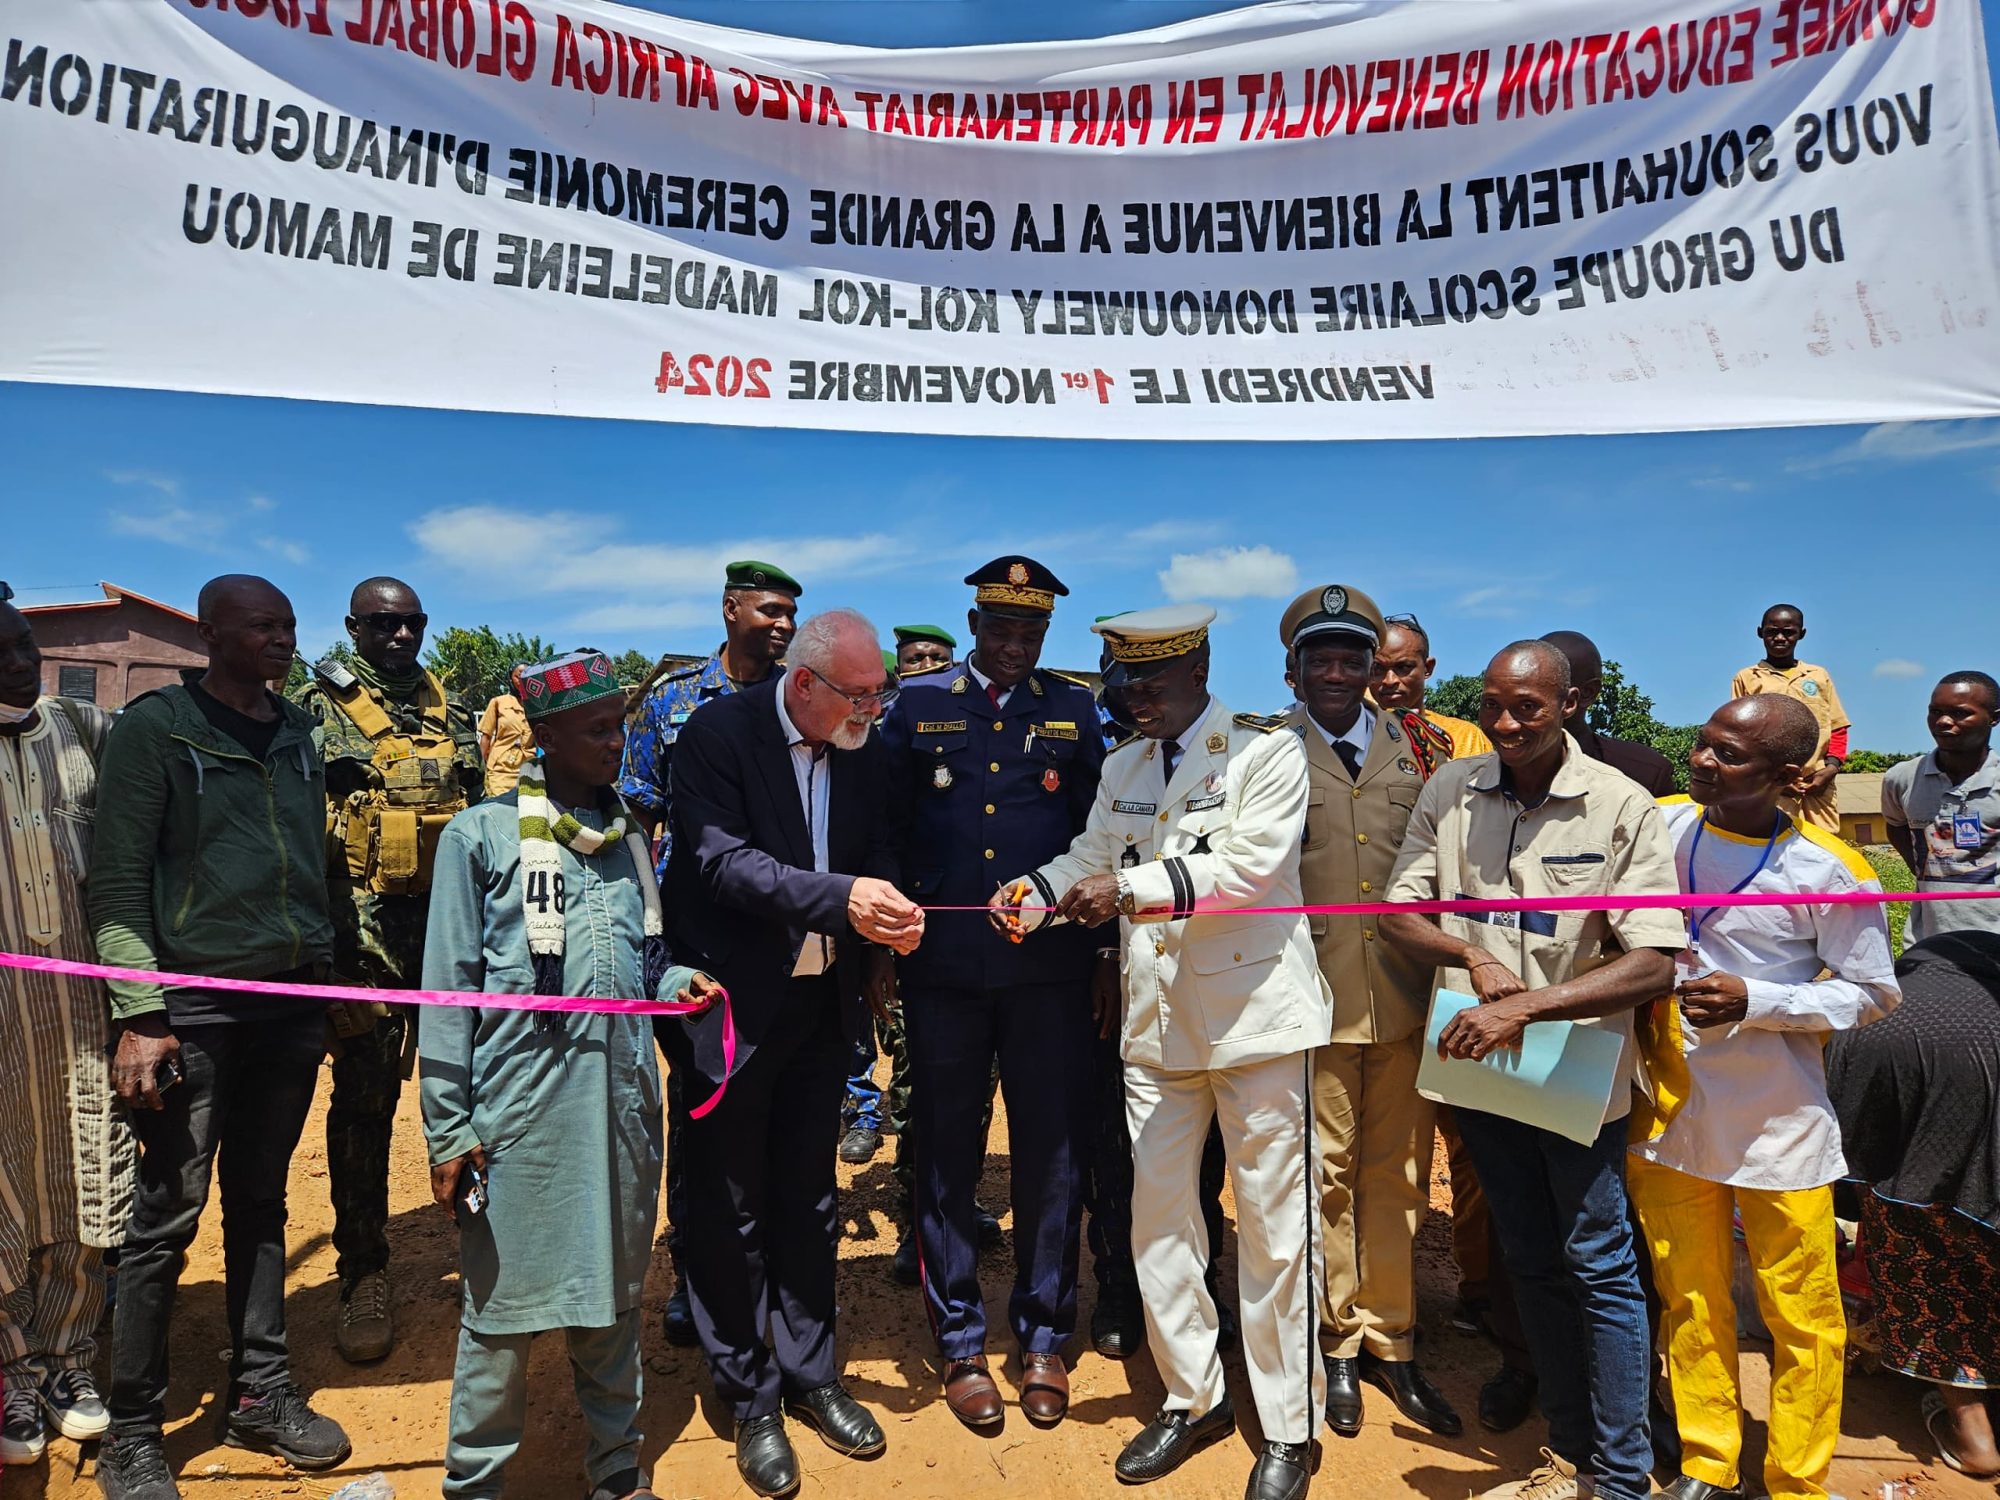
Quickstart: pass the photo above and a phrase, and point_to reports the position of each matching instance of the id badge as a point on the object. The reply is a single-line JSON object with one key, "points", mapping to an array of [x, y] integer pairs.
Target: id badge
{"points": [[1967, 832]]}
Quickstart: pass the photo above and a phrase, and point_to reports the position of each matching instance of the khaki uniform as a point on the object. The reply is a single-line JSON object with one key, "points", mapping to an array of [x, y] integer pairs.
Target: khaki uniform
{"points": [[1222, 1016], [1374, 1128], [1814, 688]]}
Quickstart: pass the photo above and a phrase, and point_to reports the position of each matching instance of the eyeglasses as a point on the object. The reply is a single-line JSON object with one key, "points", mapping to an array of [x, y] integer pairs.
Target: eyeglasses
{"points": [[881, 698], [389, 623], [1409, 620]]}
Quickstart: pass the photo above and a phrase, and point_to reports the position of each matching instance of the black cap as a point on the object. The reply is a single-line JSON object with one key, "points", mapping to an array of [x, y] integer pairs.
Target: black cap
{"points": [[1015, 584]]}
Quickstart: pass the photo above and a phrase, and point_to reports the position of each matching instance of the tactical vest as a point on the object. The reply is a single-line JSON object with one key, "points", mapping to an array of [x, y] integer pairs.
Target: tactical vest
{"points": [[385, 839]]}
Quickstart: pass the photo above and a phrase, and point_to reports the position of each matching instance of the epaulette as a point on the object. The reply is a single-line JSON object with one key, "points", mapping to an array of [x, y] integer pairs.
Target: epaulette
{"points": [[930, 671], [693, 671], [1130, 739], [1263, 723], [1072, 680]]}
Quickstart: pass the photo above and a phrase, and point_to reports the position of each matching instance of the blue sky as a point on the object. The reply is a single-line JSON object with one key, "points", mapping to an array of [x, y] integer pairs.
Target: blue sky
{"points": [[1663, 548]]}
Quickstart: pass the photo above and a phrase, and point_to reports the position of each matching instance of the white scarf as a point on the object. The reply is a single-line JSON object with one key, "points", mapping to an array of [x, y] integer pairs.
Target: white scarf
{"points": [[541, 866]]}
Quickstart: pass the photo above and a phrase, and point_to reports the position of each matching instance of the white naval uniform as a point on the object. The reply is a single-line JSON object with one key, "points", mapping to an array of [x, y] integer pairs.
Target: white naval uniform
{"points": [[1222, 1015]]}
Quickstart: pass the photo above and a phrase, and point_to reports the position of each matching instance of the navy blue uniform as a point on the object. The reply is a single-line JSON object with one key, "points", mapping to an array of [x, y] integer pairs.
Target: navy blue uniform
{"points": [[979, 793]]}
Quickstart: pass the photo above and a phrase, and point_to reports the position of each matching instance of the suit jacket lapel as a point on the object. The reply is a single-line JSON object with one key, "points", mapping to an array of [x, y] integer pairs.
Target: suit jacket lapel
{"points": [[1320, 753], [774, 762], [1196, 761], [1383, 750]]}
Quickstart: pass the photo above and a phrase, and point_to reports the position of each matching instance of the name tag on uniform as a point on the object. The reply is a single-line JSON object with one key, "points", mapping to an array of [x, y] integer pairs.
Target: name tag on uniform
{"points": [[1967, 832], [1053, 730], [1203, 804], [943, 726], [1146, 808], [680, 718]]}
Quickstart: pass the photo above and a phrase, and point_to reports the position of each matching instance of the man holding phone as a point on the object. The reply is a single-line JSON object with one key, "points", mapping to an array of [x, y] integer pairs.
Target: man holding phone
{"points": [[210, 859]]}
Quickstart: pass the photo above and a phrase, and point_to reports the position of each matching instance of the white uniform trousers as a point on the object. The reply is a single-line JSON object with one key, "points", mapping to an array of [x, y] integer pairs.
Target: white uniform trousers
{"points": [[1266, 1113]]}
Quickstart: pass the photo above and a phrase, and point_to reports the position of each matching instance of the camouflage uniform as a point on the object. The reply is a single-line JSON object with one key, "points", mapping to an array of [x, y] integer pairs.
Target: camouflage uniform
{"points": [[378, 940]]}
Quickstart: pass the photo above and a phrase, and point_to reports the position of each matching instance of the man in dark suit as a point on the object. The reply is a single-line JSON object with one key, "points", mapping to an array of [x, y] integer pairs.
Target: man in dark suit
{"points": [[993, 768], [779, 832], [1642, 763]]}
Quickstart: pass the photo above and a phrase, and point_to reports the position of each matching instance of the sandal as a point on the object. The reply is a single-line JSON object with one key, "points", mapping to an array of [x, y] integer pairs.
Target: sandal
{"points": [[1935, 1415]]}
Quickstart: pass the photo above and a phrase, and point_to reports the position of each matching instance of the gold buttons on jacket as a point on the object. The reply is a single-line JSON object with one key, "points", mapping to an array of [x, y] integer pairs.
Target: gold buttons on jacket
{"points": [[989, 853], [1357, 794], [1367, 935], [1366, 885], [1159, 948], [999, 723], [1360, 838], [1163, 817], [1236, 958], [989, 807], [994, 767]]}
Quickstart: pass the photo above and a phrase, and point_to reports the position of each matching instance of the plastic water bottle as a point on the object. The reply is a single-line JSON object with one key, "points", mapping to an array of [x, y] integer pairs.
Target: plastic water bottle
{"points": [[375, 1487]]}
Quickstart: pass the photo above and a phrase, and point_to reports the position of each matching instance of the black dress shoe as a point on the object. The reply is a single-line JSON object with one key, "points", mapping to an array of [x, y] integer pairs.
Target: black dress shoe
{"points": [[1166, 1442], [1687, 1487], [1415, 1397], [680, 1319], [1506, 1399], [764, 1456], [1118, 1322], [1282, 1472], [1343, 1396], [842, 1423], [905, 1268]]}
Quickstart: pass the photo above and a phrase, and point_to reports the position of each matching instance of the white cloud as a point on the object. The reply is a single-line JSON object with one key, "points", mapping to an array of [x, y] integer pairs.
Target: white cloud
{"points": [[1899, 666], [176, 525], [165, 484], [291, 552], [1257, 572], [1494, 602], [1905, 442]]}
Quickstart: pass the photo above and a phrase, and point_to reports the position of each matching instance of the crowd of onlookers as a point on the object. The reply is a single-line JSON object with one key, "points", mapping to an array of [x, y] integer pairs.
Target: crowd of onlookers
{"points": [[1107, 903]]}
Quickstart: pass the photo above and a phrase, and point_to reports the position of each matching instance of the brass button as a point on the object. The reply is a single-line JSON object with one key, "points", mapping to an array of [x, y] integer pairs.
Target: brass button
{"points": [[1367, 885], [1367, 935], [994, 767], [1159, 947], [1357, 793], [989, 807], [999, 723], [1163, 817], [1236, 958], [1360, 838], [989, 853]]}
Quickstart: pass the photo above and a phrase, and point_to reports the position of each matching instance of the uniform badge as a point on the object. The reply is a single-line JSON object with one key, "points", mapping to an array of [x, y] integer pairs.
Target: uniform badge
{"points": [[1407, 766], [958, 686], [1217, 743], [1018, 574], [1394, 732], [1333, 599], [941, 777], [1212, 782], [1051, 780], [1809, 688], [1128, 858]]}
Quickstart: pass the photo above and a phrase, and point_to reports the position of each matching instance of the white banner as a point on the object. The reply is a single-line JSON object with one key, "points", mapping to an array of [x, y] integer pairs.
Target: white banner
{"points": [[1415, 219]]}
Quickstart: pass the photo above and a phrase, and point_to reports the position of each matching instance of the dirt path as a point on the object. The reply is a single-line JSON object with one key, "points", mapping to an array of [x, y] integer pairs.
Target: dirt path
{"points": [[395, 1411]]}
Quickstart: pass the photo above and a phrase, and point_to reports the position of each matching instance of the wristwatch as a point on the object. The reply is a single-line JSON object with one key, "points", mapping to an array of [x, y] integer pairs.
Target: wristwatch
{"points": [[1126, 904]]}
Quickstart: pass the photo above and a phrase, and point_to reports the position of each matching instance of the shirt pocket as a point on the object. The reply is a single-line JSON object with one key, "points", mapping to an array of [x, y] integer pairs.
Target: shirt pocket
{"points": [[1317, 830], [939, 750], [1400, 814], [1576, 867]]}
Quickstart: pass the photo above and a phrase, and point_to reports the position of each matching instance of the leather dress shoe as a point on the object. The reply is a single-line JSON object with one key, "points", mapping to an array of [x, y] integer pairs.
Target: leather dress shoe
{"points": [[1687, 1487], [971, 1394], [906, 1268], [841, 1421], [1117, 1323], [1343, 1395], [1044, 1388], [1415, 1397], [680, 1319], [1166, 1442], [1282, 1472], [626, 1484], [1506, 1399], [764, 1456]]}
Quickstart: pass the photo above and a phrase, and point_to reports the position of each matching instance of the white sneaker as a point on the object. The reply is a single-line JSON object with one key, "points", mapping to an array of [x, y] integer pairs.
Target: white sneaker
{"points": [[71, 1400], [1555, 1478]]}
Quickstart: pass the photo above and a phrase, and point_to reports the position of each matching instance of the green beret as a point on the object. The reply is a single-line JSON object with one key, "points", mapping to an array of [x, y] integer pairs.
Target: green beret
{"points": [[907, 633], [751, 574], [889, 663]]}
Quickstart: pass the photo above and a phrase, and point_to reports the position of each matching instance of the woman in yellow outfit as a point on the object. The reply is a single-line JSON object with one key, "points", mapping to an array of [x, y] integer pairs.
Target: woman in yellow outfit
{"points": [[1741, 1124]]}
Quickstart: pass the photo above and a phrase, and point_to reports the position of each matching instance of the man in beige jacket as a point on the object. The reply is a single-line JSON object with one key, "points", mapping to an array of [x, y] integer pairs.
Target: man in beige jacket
{"points": [[1365, 769]]}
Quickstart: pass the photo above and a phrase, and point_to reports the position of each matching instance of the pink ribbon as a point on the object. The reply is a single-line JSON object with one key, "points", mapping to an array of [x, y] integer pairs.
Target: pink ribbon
{"points": [[326, 993], [1569, 903]]}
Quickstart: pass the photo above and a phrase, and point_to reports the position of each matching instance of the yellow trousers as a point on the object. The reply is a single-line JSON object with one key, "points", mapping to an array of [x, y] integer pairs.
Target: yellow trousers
{"points": [[1790, 1238]]}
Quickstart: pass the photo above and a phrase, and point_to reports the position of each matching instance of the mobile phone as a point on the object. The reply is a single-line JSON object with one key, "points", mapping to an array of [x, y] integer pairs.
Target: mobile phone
{"points": [[167, 1075], [474, 1189]]}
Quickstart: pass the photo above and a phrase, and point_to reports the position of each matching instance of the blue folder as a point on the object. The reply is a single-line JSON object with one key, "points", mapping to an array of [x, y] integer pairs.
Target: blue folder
{"points": [[1560, 1079]]}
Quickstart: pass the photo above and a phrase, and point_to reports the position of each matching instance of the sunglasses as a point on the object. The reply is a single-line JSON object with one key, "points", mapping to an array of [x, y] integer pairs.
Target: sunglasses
{"points": [[389, 623], [1409, 620], [881, 698]]}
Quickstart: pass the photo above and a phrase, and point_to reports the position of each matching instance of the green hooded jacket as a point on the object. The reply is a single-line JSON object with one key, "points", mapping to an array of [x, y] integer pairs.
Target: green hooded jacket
{"points": [[207, 860]]}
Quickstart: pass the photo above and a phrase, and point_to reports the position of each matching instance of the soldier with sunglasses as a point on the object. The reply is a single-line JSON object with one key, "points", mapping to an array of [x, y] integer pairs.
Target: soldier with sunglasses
{"points": [[402, 756]]}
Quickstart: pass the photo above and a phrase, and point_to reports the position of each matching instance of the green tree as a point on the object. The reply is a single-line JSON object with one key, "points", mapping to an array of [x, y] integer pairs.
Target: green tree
{"points": [[1455, 697], [475, 663], [632, 667], [1874, 760]]}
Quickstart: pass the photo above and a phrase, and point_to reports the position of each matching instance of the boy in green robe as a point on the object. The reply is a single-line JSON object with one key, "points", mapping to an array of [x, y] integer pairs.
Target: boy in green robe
{"points": [[544, 1127]]}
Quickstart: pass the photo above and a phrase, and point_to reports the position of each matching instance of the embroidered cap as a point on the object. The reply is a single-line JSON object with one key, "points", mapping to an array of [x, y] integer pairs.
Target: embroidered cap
{"points": [[906, 633], [1331, 609], [1017, 584], [549, 687], [1147, 641], [751, 574]]}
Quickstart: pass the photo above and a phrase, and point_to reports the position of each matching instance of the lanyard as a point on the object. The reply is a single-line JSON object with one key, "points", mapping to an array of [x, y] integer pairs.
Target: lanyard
{"points": [[1696, 918]]}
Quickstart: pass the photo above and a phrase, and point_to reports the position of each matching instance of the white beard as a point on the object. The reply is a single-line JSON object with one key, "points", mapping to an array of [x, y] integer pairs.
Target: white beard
{"points": [[850, 734]]}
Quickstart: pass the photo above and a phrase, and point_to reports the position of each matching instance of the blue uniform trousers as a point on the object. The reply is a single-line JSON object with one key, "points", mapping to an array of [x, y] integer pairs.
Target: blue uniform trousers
{"points": [[1041, 1035]]}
